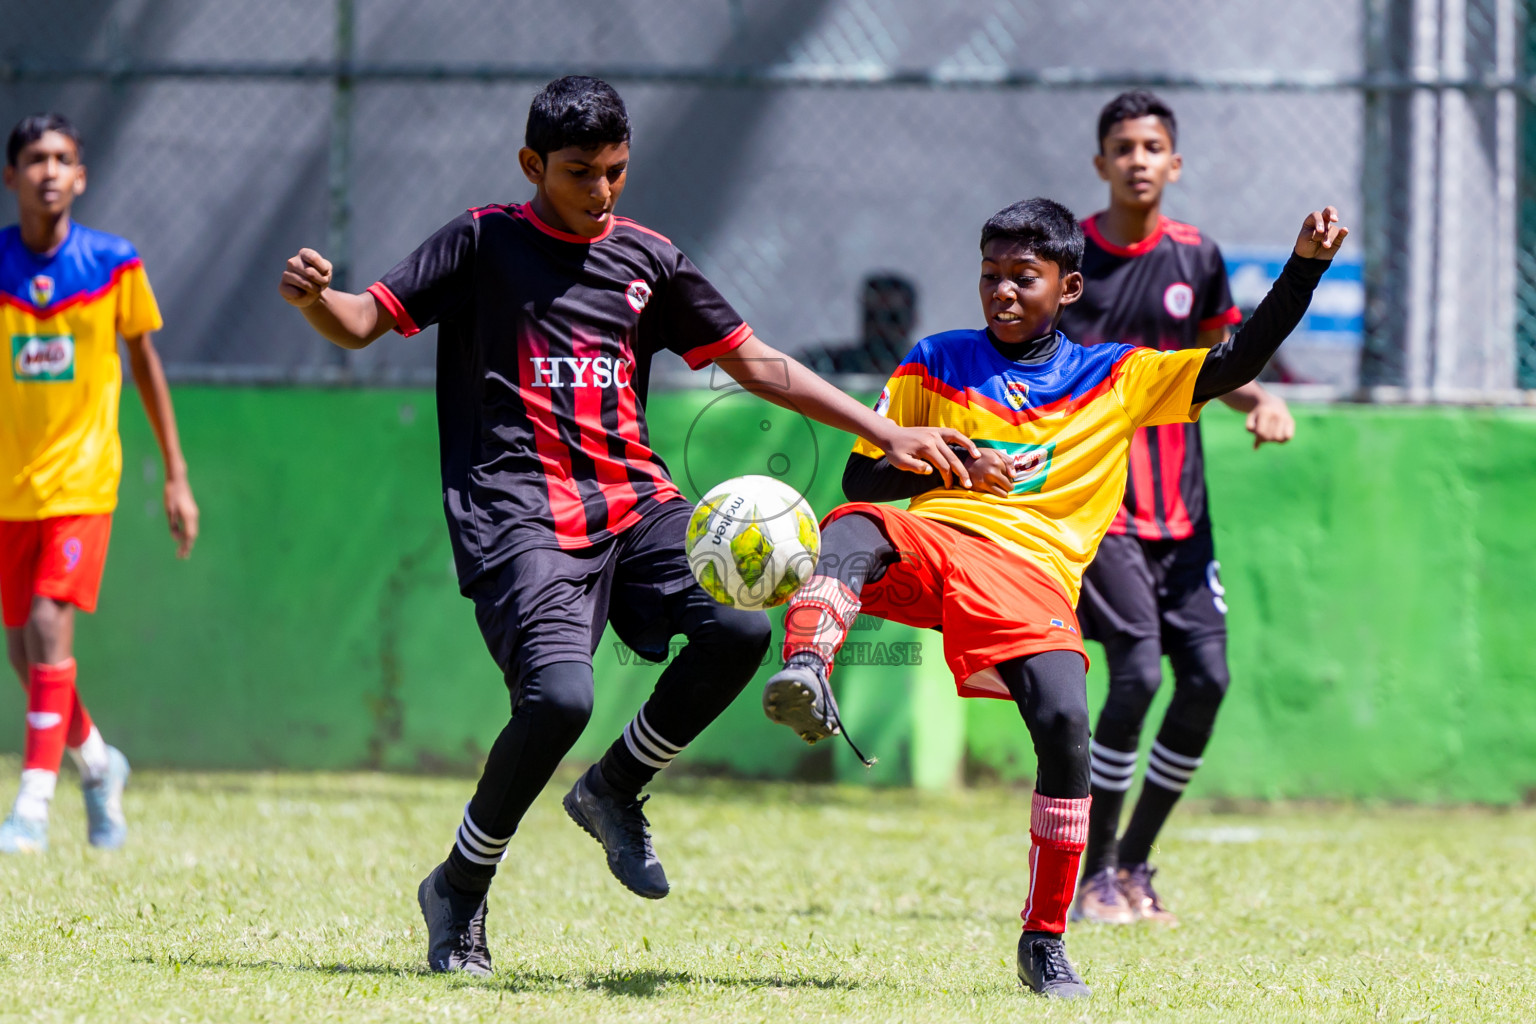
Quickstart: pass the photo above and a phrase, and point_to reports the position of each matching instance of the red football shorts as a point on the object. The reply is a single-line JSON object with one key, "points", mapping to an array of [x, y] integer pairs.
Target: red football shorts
{"points": [[61, 558], [991, 602]]}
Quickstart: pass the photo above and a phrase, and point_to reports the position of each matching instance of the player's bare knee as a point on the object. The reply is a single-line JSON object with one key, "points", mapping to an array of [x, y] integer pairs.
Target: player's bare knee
{"points": [[48, 629]]}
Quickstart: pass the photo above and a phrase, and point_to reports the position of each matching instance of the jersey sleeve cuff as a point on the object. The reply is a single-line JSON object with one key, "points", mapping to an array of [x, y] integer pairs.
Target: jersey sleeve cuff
{"points": [[1230, 318], [698, 358], [403, 322]]}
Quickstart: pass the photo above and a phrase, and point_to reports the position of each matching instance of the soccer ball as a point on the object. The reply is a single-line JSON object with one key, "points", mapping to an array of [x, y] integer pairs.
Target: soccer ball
{"points": [[752, 541]]}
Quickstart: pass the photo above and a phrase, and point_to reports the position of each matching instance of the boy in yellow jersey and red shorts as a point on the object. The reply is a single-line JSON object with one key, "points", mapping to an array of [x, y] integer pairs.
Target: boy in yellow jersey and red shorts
{"points": [[66, 294], [998, 566]]}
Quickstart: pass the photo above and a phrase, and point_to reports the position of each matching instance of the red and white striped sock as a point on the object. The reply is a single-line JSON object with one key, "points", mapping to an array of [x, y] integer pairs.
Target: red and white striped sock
{"points": [[1058, 831], [818, 619]]}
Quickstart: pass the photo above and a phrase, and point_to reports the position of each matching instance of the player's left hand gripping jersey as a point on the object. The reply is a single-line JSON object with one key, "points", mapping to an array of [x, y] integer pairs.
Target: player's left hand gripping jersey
{"points": [[1066, 424], [60, 316]]}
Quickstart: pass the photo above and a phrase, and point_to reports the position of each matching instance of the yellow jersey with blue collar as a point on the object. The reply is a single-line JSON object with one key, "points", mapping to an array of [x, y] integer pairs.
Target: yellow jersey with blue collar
{"points": [[60, 317], [1066, 423]]}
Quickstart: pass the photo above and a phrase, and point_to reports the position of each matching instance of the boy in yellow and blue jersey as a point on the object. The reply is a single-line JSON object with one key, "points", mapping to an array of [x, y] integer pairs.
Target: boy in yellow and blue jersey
{"points": [[67, 293], [997, 566]]}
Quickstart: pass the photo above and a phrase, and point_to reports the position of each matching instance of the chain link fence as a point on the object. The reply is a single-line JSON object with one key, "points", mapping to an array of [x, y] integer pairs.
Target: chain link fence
{"points": [[828, 163]]}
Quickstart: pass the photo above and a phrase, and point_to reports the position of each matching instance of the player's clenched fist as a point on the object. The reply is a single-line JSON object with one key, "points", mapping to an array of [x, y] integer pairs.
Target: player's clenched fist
{"points": [[1321, 235], [305, 277]]}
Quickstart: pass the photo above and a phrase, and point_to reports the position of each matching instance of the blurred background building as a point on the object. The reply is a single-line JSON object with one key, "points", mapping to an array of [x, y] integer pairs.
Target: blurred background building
{"points": [[828, 162]]}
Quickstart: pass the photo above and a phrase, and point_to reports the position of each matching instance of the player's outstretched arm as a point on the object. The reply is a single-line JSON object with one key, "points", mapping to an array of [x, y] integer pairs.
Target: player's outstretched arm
{"points": [[149, 377], [1233, 363], [770, 374], [342, 318]]}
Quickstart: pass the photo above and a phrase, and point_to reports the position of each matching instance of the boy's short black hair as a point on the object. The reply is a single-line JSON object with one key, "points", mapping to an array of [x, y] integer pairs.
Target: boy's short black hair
{"points": [[576, 111], [1044, 227], [33, 127], [1128, 106]]}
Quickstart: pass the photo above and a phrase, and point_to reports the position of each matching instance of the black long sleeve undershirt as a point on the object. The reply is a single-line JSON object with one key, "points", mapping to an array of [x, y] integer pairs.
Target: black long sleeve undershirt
{"points": [[1227, 367], [867, 479], [1239, 359]]}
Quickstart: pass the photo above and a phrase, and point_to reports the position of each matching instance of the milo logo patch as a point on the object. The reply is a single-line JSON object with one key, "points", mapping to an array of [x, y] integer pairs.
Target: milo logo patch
{"points": [[1030, 464], [43, 357]]}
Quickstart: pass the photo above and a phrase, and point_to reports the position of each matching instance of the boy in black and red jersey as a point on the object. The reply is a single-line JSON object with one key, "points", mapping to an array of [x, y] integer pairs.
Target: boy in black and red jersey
{"points": [[1153, 587], [562, 517]]}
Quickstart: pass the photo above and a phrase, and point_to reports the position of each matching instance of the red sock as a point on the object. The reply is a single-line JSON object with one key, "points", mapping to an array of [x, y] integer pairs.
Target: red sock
{"points": [[1058, 831], [818, 618], [50, 703], [79, 720]]}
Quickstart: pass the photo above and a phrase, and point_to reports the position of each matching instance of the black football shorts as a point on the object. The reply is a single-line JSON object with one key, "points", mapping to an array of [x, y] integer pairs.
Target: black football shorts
{"points": [[546, 605], [1141, 589]]}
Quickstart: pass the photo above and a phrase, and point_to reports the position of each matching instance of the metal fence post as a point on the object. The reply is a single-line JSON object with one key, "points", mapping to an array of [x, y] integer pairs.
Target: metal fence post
{"points": [[338, 235], [1525, 251]]}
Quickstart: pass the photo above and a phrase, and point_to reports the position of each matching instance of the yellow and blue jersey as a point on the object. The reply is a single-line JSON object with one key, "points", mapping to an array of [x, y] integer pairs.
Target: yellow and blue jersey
{"points": [[60, 317], [1067, 424]]}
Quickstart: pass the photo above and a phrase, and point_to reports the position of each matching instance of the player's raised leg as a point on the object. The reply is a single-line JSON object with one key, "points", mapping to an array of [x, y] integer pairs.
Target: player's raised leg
{"points": [[1051, 692], [854, 550], [655, 598]]}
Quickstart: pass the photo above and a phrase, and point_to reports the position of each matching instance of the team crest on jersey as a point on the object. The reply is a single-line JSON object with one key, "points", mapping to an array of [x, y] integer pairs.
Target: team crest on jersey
{"points": [[637, 295], [40, 288], [1017, 392], [42, 357], [1179, 300]]}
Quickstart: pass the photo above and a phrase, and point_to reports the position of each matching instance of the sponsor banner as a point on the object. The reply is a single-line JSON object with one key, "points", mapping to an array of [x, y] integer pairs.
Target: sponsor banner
{"points": [[1337, 314]]}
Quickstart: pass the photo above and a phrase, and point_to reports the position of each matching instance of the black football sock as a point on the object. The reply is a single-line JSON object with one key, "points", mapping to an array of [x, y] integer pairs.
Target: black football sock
{"points": [[1112, 772], [1200, 683], [725, 647], [1168, 772], [1135, 672], [549, 711]]}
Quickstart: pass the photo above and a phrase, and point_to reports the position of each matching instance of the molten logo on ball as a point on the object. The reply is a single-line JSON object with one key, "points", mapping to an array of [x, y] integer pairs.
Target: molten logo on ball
{"points": [[752, 541]]}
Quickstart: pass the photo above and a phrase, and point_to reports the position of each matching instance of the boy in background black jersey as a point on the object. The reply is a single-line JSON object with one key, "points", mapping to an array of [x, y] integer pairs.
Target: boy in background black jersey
{"points": [[1153, 588], [562, 517]]}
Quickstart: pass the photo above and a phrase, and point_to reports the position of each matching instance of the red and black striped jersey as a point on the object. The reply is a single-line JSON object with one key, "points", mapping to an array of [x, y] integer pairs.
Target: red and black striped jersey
{"points": [[544, 348], [1160, 292]]}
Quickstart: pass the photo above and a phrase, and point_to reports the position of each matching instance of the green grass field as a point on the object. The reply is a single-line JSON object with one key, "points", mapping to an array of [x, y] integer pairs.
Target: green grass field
{"points": [[292, 898]]}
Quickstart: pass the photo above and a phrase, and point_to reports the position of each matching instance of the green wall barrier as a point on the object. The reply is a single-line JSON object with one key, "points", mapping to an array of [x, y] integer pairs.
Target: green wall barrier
{"points": [[1378, 568]]}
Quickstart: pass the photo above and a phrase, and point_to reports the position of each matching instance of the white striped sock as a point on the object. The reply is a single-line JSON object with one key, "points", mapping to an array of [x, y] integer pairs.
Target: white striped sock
{"points": [[476, 846], [647, 744], [1111, 769], [1171, 770]]}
